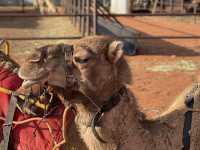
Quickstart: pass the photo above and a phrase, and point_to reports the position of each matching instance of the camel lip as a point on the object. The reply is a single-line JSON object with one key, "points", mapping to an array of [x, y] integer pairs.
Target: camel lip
{"points": [[28, 83], [25, 75]]}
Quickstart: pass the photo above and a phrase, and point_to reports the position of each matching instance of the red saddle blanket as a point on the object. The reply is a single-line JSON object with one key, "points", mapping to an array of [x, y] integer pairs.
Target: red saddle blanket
{"points": [[33, 135]]}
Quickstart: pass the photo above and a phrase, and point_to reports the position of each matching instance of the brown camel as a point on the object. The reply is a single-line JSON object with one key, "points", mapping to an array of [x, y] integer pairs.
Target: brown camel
{"points": [[45, 6], [107, 115]]}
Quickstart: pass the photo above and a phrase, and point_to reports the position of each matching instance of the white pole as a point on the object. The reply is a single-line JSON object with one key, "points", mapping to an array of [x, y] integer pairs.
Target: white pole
{"points": [[120, 6]]}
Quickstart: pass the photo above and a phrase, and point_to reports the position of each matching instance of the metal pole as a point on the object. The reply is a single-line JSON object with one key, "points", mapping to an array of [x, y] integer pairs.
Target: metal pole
{"points": [[23, 5], [162, 5], [41, 38], [103, 15], [155, 7], [83, 18], [87, 17], [67, 6], [171, 6], [75, 18], [94, 17], [182, 6], [120, 37], [72, 7], [195, 12], [79, 11]]}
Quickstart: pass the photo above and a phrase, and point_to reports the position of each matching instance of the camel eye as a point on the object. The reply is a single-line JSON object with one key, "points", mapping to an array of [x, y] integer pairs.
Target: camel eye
{"points": [[81, 61]]}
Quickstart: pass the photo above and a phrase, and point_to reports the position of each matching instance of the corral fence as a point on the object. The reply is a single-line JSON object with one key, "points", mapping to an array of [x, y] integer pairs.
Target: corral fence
{"points": [[84, 14]]}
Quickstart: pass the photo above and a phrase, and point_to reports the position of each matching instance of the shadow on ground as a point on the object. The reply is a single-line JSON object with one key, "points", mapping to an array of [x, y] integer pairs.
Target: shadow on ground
{"points": [[163, 47], [12, 22], [147, 46]]}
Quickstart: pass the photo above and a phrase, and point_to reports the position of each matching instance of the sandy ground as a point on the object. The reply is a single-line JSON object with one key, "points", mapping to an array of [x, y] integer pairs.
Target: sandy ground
{"points": [[162, 68], [35, 27], [165, 67]]}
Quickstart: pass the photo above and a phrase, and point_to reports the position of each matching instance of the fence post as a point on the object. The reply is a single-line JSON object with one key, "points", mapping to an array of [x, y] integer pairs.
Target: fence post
{"points": [[94, 17], [195, 12], [83, 18], [23, 6], [171, 6], [182, 6], [79, 12], [155, 7], [87, 17], [71, 10], [66, 7], [75, 12]]}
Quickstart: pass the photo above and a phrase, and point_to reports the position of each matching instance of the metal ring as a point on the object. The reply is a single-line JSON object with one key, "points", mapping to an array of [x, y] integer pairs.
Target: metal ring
{"points": [[95, 119]]}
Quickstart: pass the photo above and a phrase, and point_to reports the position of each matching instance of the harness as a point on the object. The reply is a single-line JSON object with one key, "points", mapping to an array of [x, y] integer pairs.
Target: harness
{"points": [[30, 104], [189, 102], [106, 107], [8, 123], [27, 104], [187, 125]]}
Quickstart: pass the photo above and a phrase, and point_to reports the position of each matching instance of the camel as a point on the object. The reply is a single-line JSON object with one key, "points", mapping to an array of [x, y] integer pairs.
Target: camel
{"points": [[107, 115], [24, 124], [45, 6]]}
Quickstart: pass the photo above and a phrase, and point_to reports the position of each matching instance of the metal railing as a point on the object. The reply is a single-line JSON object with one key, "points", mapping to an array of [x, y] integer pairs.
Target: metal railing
{"points": [[84, 15]]}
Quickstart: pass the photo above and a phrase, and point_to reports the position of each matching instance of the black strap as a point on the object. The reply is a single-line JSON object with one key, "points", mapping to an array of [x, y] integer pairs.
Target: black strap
{"points": [[187, 124], [8, 123], [96, 119], [106, 107]]}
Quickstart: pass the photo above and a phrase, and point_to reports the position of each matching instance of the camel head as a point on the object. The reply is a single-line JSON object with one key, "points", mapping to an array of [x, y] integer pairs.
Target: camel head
{"points": [[45, 64], [98, 62], [97, 65]]}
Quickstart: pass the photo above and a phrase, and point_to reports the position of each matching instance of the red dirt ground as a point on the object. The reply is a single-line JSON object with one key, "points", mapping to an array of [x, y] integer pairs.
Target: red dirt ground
{"points": [[157, 90]]}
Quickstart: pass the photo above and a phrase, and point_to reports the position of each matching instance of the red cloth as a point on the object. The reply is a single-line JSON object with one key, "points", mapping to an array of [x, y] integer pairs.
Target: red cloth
{"points": [[30, 136]]}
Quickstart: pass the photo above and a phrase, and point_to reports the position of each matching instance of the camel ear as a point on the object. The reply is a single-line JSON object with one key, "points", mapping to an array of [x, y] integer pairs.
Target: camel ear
{"points": [[38, 55], [115, 51]]}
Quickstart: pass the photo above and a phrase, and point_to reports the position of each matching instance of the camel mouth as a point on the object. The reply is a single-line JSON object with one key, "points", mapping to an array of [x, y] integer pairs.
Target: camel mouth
{"points": [[30, 80], [28, 83], [31, 74]]}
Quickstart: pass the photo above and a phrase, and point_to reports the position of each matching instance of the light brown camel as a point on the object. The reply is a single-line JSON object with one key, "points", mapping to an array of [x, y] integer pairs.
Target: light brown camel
{"points": [[102, 75], [45, 6]]}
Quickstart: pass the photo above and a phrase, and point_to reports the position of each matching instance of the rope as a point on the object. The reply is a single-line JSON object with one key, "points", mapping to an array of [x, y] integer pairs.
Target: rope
{"points": [[31, 120], [64, 127], [23, 121]]}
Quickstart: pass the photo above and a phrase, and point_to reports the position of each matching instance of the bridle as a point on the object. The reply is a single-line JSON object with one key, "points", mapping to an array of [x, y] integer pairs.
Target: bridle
{"points": [[109, 104]]}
